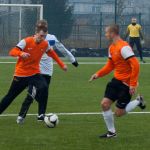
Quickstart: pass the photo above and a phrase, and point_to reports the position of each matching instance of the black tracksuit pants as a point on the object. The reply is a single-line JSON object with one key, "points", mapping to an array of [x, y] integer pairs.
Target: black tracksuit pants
{"points": [[136, 41], [29, 99], [19, 84]]}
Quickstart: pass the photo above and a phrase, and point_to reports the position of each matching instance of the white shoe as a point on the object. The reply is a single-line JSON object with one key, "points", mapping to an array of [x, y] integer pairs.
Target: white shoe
{"points": [[20, 120]]}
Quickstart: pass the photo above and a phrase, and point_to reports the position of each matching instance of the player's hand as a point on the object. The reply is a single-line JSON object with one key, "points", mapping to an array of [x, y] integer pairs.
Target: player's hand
{"points": [[93, 77], [25, 55], [75, 63], [65, 68], [132, 90]]}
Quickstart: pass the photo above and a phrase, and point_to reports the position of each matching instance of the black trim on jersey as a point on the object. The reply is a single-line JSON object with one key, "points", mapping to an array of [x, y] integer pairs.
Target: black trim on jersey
{"points": [[130, 57], [110, 58], [19, 48]]}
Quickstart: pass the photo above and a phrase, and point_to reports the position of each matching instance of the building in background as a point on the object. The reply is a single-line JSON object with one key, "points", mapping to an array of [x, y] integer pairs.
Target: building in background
{"points": [[92, 6], [127, 8]]}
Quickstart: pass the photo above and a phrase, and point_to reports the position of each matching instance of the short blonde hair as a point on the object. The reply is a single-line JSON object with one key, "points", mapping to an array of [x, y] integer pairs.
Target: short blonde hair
{"points": [[114, 28], [42, 22], [41, 25]]}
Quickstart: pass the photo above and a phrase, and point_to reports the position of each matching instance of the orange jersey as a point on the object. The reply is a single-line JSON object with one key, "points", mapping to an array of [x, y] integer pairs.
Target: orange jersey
{"points": [[30, 66], [124, 63]]}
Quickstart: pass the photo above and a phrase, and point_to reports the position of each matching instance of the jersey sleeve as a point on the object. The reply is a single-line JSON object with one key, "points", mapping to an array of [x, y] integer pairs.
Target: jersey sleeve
{"points": [[140, 28], [54, 42], [52, 54], [55, 38], [109, 66], [109, 54], [61, 48], [21, 45], [135, 67], [127, 52], [51, 39]]}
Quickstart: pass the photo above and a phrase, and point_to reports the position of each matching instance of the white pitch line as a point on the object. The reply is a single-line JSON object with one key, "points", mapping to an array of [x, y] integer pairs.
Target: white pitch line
{"points": [[7, 62], [71, 114], [80, 63]]}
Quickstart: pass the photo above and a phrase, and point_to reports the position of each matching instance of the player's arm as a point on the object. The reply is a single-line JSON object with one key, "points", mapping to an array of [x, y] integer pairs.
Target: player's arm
{"points": [[109, 67], [51, 53], [127, 33], [135, 67], [18, 50], [65, 52], [129, 56], [141, 34]]}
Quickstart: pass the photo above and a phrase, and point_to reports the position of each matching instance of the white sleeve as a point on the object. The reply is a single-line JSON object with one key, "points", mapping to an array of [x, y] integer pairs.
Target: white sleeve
{"points": [[21, 45], [55, 38], [64, 51], [51, 39], [127, 52], [109, 55]]}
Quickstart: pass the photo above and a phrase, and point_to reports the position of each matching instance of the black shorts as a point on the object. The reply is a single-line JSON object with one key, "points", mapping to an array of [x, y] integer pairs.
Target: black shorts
{"points": [[119, 92]]}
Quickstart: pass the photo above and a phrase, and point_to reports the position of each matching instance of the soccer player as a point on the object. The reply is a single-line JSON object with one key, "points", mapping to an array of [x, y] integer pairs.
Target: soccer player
{"points": [[134, 31], [124, 83], [46, 68], [27, 72]]}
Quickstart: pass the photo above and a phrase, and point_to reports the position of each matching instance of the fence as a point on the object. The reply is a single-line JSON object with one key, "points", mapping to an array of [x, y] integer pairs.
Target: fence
{"points": [[93, 36], [88, 31]]}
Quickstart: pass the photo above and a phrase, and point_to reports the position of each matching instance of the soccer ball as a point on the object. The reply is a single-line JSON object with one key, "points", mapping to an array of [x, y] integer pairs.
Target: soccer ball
{"points": [[51, 120]]}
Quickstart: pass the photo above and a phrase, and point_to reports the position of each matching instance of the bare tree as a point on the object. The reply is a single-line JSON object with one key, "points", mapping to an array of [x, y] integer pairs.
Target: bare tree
{"points": [[120, 6]]}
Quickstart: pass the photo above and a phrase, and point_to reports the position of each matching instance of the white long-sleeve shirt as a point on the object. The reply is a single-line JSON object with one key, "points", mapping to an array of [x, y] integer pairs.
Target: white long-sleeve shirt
{"points": [[46, 63]]}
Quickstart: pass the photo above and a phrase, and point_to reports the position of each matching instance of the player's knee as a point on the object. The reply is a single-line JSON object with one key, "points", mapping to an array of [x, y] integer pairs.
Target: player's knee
{"points": [[105, 105], [119, 113]]}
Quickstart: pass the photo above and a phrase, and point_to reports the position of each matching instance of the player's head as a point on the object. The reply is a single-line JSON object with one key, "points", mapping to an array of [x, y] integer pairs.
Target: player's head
{"points": [[112, 31], [133, 21], [40, 33], [41, 23]]}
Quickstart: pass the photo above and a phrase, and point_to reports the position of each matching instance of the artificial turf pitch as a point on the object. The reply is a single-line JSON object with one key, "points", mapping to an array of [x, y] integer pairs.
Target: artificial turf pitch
{"points": [[71, 92]]}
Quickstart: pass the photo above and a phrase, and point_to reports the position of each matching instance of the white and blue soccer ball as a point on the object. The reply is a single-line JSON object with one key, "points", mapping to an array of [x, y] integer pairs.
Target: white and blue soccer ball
{"points": [[51, 120]]}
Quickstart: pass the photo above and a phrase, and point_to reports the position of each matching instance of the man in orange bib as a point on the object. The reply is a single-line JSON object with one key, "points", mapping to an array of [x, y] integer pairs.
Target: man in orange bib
{"points": [[27, 72], [121, 88]]}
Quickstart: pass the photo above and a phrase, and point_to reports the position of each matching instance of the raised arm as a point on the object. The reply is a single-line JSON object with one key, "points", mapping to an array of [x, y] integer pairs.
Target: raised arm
{"points": [[65, 52], [53, 41]]}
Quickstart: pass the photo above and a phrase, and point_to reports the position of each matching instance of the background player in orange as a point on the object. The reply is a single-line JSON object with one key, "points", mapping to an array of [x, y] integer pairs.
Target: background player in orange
{"points": [[121, 88], [27, 72]]}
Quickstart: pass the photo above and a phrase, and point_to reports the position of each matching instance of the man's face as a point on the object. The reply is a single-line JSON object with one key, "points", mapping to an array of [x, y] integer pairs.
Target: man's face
{"points": [[40, 36], [133, 21], [109, 34]]}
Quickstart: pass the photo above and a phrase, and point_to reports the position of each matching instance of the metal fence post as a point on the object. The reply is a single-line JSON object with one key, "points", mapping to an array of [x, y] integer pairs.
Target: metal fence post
{"points": [[115, 11], [140, 21], [100, 34]]}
